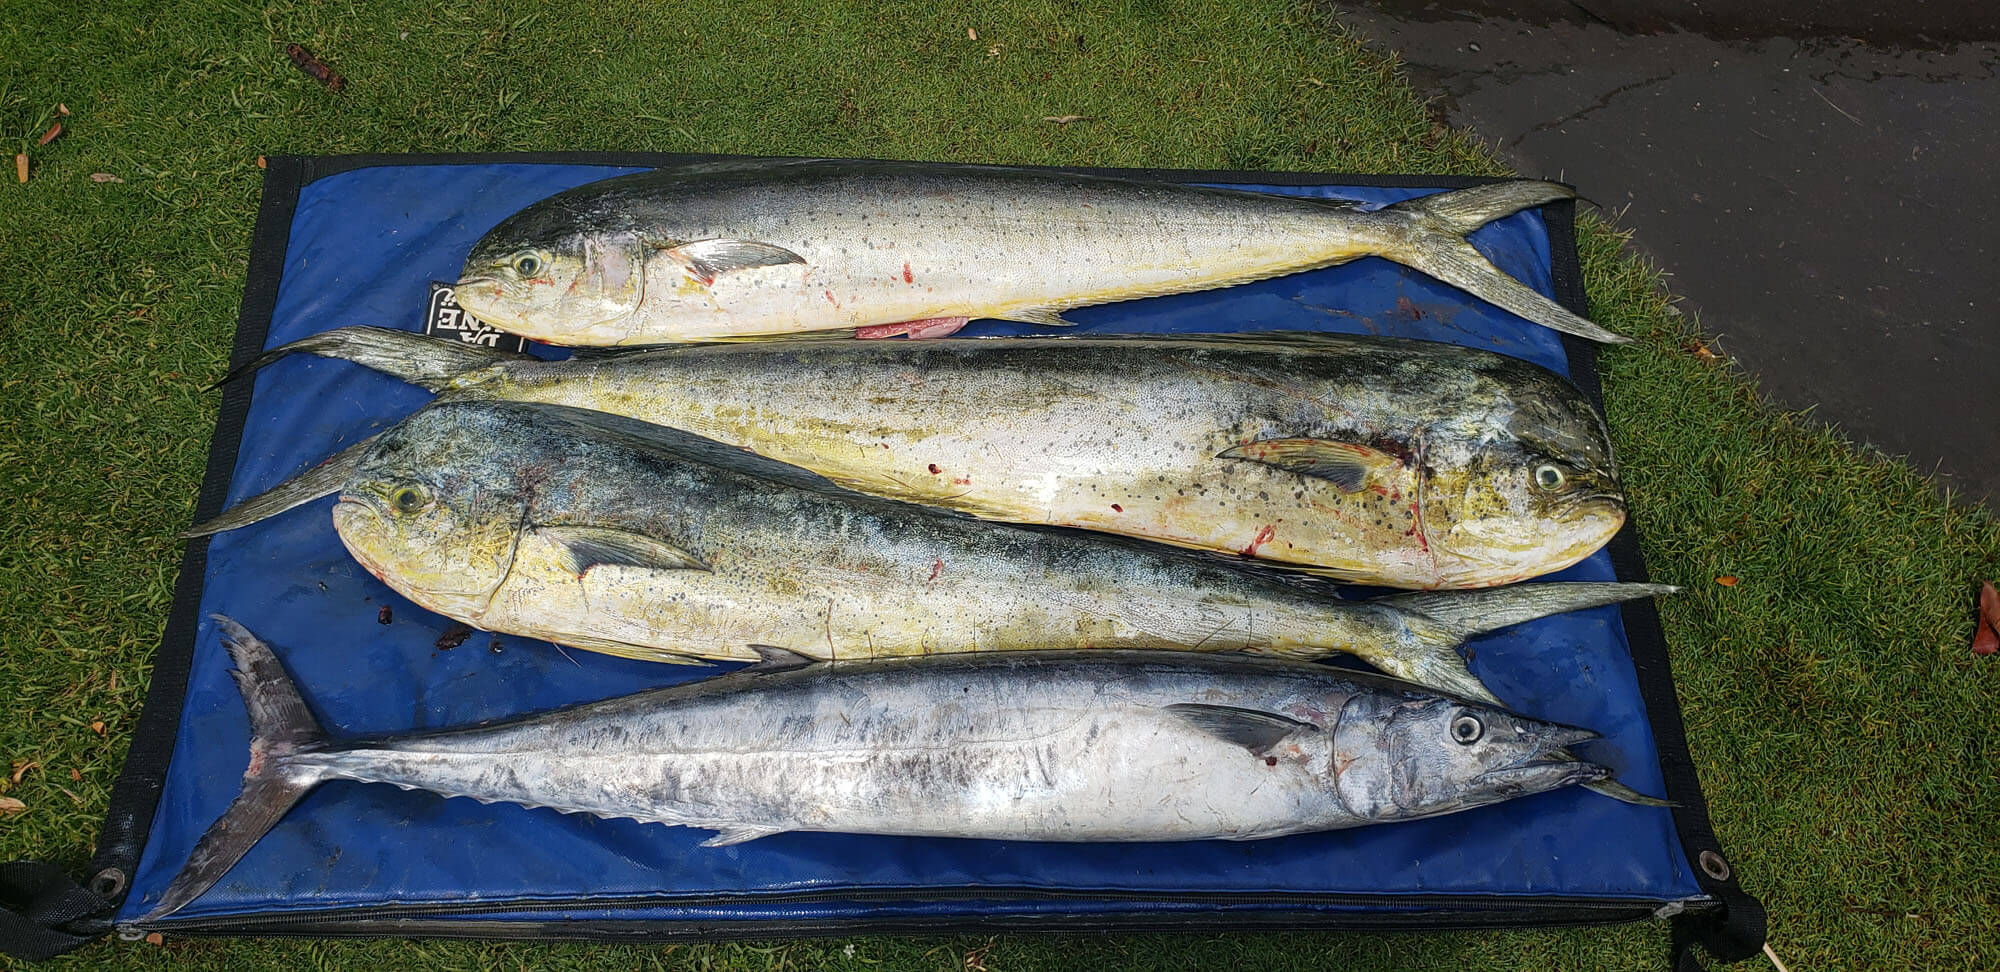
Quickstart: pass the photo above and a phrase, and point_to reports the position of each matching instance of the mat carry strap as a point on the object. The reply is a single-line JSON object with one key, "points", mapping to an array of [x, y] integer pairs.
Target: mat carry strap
{"points": [[43, 912]]}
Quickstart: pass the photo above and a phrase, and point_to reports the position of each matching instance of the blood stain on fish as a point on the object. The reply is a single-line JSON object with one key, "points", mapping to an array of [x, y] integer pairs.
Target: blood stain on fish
{"points": [[1263, 537]]}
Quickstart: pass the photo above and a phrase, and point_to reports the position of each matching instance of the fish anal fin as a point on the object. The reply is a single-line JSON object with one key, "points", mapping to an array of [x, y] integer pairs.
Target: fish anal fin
{"points": [[771, 658], [626, 649], [710, 259], [1348, 465], [1045, 316], [1255, 731], [590, 546], [725, 836]]}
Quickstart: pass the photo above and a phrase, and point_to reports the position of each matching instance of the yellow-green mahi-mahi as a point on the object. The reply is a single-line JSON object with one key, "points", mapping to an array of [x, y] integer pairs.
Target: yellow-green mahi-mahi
{"points": [[1379, 461], [731, 250], [611, 535]]}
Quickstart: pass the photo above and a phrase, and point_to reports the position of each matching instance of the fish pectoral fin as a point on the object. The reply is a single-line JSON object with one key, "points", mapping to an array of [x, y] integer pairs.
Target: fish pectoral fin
{"points": [[1348, 465], [1255, 731], [1045, 316], [709, 259], [589, 546], [771, 658], [725, 836]]}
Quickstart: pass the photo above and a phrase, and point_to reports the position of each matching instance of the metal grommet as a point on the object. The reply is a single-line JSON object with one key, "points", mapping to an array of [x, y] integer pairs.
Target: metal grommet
{"points": [[108, 883], [1713, 865]]}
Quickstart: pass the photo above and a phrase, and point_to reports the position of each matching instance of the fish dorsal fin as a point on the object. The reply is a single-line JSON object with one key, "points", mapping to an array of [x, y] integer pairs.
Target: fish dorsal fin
{"points": [[1350, 466], [590, 546], [1253, 730], [771, 658], [725, 836], [709, 259], [1045, 316]]}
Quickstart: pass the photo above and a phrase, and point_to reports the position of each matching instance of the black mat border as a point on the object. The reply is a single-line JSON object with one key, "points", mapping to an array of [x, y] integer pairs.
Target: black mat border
{"points": [[135, 796]]}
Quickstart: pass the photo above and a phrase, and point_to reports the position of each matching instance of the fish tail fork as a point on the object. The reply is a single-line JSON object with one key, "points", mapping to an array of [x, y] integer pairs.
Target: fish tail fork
{"points": [[1429, 234], [281, 728]]}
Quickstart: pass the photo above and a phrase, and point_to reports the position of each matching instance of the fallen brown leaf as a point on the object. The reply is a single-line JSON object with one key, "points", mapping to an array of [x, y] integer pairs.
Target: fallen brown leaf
{"points": [[1728, 580], [260, 162], [75, 777], [97, 727], [1986, 637], [10, 805], [21, 767], [50, 135], [1701, 351], [971, 34], [155, 938], [62, 109], [314, 67], [104, 177], [21, 167]]}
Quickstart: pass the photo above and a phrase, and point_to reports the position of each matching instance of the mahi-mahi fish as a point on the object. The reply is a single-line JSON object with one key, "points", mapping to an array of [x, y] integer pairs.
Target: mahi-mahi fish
{"points": [[1375, 461], [1040, 746], [721, 251], [610, 535]]}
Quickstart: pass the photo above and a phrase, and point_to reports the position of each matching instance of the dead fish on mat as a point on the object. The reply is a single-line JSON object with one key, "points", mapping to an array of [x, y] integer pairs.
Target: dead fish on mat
{"points": [[611, 535], [718, 251], [1044, 746], [1375, 461]]}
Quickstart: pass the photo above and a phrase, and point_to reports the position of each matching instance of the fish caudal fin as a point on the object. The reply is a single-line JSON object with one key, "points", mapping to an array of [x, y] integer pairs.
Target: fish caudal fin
{"points": [[1428, 234], [418, 359], [1441, 621], [321, 480], [280, 728]]}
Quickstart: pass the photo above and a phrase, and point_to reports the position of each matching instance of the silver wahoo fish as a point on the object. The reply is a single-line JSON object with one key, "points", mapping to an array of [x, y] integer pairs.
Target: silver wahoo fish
{"points": [[1375, 461], [611, 535], [1042, 746], [760, 249]]}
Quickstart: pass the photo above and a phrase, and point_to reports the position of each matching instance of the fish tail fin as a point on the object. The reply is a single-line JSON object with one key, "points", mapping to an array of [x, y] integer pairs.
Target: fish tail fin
{"points": [[321, 480], [416, 358], [1464, 614], [1429, 235], [281, 728], [1441, 621]]}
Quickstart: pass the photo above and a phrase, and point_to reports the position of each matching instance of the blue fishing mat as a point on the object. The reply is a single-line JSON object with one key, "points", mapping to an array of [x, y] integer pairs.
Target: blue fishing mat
{"points": [[359, 240]]}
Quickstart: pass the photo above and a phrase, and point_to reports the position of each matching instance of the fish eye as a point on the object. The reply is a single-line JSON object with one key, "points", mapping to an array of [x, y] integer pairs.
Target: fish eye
{"points": [[527, 265], [408, 499], [1549, 476], [1466, 729]]}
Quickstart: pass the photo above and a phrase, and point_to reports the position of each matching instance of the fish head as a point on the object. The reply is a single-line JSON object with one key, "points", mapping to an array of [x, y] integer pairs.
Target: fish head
{"points": [[1525, 487], [436, 510], [1400, 756], [554, 269]]}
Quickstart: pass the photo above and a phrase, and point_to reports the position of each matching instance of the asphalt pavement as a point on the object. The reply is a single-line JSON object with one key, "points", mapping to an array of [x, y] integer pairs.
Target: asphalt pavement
{"points": [[1826, 205]]}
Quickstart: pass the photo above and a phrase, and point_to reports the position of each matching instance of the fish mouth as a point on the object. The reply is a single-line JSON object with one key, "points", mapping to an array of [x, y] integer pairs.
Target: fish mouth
{"points": [[1548, 765], [1602, 501]]}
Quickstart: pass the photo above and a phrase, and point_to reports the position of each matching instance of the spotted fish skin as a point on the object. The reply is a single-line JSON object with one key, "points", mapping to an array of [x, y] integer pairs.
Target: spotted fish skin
{"points": [[613, 535], [759, 249], [1043, 746], [1387, 462]]}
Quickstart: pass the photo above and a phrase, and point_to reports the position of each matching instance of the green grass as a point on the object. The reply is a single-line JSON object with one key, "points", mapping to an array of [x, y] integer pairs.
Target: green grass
{"points": [[1844, 733]]}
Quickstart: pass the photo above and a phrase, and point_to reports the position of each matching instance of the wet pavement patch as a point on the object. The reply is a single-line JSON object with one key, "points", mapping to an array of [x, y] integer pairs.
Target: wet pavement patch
{"points": [[1824, 205]]}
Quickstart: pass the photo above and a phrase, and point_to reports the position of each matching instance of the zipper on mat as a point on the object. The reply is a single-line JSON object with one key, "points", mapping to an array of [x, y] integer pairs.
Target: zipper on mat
{"points": [[1408, 911]]}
